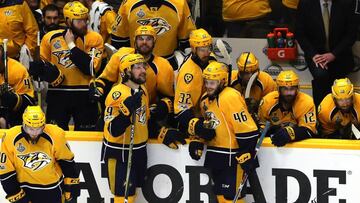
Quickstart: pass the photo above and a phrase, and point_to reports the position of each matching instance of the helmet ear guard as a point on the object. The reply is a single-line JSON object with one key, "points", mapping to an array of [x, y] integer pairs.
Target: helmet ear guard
{"points": [[34, 117], [216, 71], [127, 61], [145, 30], [75, 11], [200, 38], [247, 62], [342, 89], [287, 78]]}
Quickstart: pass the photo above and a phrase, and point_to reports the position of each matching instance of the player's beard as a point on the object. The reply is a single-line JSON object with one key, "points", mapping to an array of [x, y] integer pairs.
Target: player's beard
{"points": [[288, 99], [140, 80], [215, 92], [144, 50], [79, 32]]}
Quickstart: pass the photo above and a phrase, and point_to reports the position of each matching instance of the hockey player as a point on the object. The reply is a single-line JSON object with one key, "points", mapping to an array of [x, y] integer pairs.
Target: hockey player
{"points": [[171, 20], [339, 110], [37, 164], [70, 57], [19, 26], [16, 90], [125, 100], [189, 84], [248, 65], [292, 113], [233, 144]]}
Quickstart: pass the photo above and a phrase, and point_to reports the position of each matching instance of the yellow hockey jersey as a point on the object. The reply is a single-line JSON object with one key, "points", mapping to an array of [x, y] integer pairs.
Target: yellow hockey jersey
{"points": [[35, 165], [171, 20], [114, 105], [302, 114], [159, 74], [189, 87], [291, 3], [245, 9], [102, 16], [18, 26], [263, 85], [55, 50], [329, 114], [230, 121], [19, 78]]}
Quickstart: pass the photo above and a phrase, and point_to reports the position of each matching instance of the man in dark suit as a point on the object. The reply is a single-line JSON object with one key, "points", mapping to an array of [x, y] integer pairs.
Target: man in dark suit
{"points": [[326, 31]]}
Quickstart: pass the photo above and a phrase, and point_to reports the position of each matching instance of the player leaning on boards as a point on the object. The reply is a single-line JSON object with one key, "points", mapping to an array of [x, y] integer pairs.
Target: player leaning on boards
{"points": [[339, 111], [16, 90], [292, 113], [37, 164], [126, 100], [189, 84], [235, 134], [68, 59], [248, 65]]}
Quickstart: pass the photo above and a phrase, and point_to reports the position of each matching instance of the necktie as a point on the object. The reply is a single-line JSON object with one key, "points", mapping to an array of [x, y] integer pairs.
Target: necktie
{"points": [[326, 19]]}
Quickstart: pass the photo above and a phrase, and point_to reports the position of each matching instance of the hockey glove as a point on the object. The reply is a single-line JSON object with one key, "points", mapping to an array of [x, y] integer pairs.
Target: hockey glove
{"points": [[20, 197], [162, 109], [9, 99], [252, 105], [46, 72], [283, 136], [247, 162], [132, 103], [171, 137], [195, 149], [199, 127], [72, 189], [96, 91]]}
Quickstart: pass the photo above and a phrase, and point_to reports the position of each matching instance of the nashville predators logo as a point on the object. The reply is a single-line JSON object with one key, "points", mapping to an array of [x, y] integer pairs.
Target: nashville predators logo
{"points": [[64, 58], [159, 24], [188, 78], [35, 160], [141, 113], [211, 122]]}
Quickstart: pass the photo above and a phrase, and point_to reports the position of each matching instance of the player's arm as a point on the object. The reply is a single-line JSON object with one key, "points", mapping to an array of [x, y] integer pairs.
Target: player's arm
{"points": [[185, 27], [8, 176], [120, 29], [118, 114], [65, 158], [165, 87], [263, 113], [43, 68], [82, 59], [109, 18], [30, 26], [245, 130], [22, 94]]}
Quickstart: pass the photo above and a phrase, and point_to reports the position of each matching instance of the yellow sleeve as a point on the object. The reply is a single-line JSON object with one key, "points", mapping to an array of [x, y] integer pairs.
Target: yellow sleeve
{"points": [[186, 24], [62, 149], [263, 111], [31, 28], [165, 86], [24, 83], [6, 159], [187, 92], [120, 27], [109, 19], [270, 85], [237, 115], [45, 48], [307, 116], [112, 71], [97, 43]]}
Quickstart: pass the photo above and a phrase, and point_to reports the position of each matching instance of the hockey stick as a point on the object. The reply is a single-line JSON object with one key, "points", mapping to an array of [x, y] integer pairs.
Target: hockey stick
{"points": [[355, 131], [92, 72], [257, 147], [221, 46], [110, 50], [131, 145], [6, 75], [37, 57]]}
